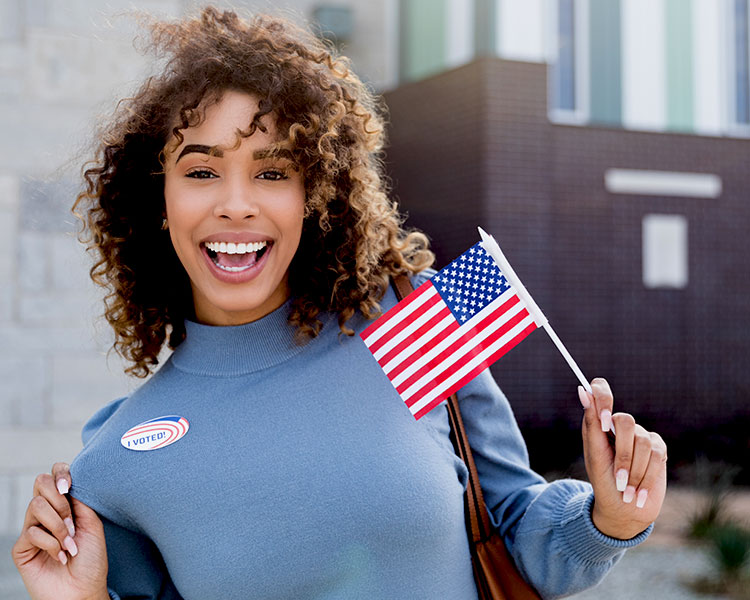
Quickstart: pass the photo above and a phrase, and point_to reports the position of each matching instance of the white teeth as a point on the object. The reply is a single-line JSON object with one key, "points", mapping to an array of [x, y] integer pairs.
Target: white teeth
{"points": [[232, 248]]}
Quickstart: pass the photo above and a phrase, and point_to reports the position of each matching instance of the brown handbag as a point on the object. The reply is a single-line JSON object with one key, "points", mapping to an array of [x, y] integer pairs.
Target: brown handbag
{"points": [[495, 573]]}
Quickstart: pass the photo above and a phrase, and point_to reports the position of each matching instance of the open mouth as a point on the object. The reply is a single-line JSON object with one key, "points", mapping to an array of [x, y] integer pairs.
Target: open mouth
{"points": [[234, 258]]}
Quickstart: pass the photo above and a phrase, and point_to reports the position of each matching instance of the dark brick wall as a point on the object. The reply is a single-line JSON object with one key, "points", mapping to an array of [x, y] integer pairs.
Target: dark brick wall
{"points": [[474, 146]]}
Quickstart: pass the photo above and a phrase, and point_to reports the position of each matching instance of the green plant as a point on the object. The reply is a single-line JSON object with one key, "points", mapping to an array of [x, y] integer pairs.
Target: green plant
{"points": [[730, 546], [715, 480]]}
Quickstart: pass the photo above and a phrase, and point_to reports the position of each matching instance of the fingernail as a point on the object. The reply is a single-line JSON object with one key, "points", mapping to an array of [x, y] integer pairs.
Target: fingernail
{"points": [[606, 419], [62, 486], [585, 402], [628, 494], [70, 545], [62, 558], [621, 480], [69, 524], [641, 500]]}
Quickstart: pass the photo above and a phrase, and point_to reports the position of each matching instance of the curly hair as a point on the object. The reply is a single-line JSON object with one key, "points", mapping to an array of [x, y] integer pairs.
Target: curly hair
{"points": [[353, 239]]}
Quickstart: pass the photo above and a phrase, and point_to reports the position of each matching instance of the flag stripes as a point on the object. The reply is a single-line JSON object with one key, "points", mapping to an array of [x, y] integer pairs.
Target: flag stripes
{"points": [[448, 330]]}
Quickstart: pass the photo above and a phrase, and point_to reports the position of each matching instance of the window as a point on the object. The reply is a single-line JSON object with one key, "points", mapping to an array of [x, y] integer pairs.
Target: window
{"points": [[569, 66], [665, 251]]}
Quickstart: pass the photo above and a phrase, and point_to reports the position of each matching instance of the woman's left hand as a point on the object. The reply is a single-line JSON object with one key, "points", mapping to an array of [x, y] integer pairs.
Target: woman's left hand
{"points": [[629, 478]]}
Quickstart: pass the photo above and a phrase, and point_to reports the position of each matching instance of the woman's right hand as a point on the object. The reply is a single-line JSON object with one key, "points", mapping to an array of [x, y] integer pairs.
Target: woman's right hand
{"points": [[61, 552]]}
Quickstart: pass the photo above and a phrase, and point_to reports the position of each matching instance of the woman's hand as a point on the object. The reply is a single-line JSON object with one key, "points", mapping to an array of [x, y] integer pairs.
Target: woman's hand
{"points": [[61, 553], [629, 478]]}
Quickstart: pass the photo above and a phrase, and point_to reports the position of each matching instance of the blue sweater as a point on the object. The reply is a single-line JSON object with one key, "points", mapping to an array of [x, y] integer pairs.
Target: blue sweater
{"points": [[303, 475]]}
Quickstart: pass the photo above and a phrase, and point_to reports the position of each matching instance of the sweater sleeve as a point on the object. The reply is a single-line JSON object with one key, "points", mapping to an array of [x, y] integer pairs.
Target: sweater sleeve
{"points": [[136, 569], [547, 527]]}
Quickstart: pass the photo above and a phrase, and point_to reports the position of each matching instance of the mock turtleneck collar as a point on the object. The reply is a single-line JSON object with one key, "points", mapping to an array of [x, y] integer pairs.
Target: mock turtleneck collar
{"points": [[226, 351]]}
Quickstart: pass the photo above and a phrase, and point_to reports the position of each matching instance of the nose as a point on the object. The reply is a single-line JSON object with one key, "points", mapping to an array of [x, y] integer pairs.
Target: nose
{"points": [[237, 200]]}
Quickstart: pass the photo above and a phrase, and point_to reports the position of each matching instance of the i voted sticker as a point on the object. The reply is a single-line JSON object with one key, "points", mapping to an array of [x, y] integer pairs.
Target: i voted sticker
{"points": [[156, 433]]}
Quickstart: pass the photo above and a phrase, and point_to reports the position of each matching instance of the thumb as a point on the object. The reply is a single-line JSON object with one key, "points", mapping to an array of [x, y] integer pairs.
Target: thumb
{"points": [[85, 518]]}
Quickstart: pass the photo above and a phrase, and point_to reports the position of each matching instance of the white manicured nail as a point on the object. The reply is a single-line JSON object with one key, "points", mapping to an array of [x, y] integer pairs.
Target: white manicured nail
{"points": [[606, 419], [69, 524], [62, 558], [585, 402], [621, 480], [70, 545], [628, 494], [640, 502], [62, 486]]}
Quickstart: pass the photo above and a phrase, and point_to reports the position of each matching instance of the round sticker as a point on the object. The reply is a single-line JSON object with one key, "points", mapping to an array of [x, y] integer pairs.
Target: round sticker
{"points": [[156, 433]]}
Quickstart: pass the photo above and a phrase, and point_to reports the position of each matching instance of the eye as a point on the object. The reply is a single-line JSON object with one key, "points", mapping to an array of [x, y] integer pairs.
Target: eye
{"points": [[200, 174], [273, 175]]}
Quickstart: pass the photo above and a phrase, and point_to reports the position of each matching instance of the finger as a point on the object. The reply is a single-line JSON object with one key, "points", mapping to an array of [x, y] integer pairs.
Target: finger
{"points": [[44, 486], [641, 455], [655, 471], [604, 401], [625, 424], [41, 513], [43, 540], [61, 475], [596, 448]]}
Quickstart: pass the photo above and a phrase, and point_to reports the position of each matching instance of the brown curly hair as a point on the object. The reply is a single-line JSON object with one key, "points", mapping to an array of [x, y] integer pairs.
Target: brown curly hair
{"points": [[352, 239]]}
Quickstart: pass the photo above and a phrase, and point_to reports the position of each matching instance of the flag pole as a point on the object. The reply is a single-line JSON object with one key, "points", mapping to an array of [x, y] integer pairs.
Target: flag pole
{"points": [[492, 248]]}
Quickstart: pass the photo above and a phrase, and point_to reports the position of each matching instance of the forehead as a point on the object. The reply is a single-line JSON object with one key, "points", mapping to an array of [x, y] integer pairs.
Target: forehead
{"points": [[221, 120]]}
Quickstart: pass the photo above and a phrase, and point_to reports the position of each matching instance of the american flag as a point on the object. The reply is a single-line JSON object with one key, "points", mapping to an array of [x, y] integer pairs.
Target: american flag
{"points": [[448, 330]]}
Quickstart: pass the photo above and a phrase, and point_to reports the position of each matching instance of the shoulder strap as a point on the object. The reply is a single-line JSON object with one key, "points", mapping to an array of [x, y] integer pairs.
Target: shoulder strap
{"points": [[477, 516]]}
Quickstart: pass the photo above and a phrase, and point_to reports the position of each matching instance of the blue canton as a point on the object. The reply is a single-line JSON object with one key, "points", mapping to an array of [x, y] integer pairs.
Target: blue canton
{"points": [[470, 283]]}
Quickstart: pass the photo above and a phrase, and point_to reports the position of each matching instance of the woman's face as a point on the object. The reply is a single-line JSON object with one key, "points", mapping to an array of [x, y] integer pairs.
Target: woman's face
{"points": [[235, 218]]}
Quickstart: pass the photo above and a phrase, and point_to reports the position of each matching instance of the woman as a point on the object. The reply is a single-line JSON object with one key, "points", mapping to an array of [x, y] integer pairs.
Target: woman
{"points": [[238, 212]]}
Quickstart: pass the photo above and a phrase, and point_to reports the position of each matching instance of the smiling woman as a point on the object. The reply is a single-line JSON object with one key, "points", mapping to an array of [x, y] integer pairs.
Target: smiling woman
{"points": [[238, 214], [235, 215]]}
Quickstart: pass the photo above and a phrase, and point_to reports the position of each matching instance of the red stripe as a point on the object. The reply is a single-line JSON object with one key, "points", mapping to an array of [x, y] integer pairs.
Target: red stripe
{"points": [[444, 372], [474, 372], [406, 322], [466, 345], [390, 314], [141, 431], [417, 334]]}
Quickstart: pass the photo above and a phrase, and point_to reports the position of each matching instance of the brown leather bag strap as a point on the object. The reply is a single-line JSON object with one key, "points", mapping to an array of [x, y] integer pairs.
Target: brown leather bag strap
{"points": [[479, 520]]}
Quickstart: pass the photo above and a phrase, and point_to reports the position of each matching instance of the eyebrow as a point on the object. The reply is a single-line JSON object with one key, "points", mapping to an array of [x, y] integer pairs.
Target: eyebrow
{"points": [[200, 148], [216, 151]]}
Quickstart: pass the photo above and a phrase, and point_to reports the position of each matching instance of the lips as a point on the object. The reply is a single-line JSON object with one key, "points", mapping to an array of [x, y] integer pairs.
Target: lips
{"points": [[236, 262]]}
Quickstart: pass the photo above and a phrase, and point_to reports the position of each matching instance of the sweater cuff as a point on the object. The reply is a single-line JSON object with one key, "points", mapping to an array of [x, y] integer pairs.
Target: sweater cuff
{"points": [[113, 594], [584, 539]]}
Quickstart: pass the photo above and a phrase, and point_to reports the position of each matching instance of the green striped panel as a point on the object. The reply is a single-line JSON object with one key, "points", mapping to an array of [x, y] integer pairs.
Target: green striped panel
{"points": [[423, 40], [679, 17], [605, 102]]}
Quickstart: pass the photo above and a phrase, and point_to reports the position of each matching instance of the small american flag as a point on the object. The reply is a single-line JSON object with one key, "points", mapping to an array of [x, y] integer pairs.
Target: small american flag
{"points": [[448, 330]]}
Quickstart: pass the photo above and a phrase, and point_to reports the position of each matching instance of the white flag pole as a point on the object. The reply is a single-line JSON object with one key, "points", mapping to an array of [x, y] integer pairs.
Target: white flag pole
{"points": [[490, 245]]}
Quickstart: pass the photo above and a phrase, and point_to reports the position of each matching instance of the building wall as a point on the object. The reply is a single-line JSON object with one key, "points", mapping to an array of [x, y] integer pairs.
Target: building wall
{"points": [[676, 357]]}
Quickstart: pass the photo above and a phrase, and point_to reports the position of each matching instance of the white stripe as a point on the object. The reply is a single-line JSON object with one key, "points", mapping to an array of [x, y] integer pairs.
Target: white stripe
{"points": [[644, 98], [458, 353], [404, 312], [514, 310], [471, 365], [410, 350], [459, 32], [408, 330], [417, 343], [708, 66]]}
